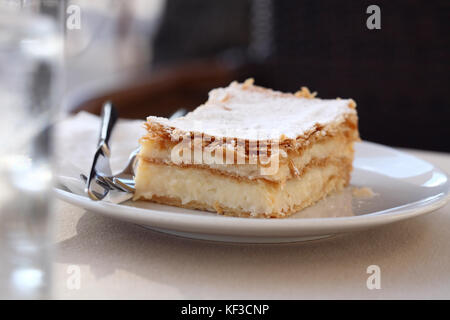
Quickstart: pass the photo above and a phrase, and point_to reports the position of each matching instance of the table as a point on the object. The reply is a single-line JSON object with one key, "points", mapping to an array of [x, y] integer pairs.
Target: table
{"points": [[117, 260]]}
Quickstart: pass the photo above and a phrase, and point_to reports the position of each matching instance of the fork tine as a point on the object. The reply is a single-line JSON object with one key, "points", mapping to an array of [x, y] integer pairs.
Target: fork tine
{"points": [[123, 185], [94, 195], [98, 180], [113, 185], [110, 184]]}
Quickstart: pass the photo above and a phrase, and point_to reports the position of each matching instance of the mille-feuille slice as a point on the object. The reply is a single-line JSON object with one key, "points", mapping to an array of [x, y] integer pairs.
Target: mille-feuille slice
{"points": [[249, 151]]}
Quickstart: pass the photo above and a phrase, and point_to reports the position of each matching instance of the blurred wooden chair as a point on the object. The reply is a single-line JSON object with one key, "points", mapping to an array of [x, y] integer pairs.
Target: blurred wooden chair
{"points": [[164, 91]]}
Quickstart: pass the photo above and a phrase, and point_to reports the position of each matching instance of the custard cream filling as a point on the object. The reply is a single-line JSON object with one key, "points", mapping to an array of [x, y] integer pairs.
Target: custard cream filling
{"points": [[255, 196]]}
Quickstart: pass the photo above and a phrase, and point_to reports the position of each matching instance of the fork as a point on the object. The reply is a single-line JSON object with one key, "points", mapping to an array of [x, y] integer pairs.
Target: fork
{"points": [[124, 180]]}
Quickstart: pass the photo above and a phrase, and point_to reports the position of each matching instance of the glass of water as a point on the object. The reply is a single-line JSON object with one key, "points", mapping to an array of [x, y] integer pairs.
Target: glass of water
{"points": [[30, 57]]}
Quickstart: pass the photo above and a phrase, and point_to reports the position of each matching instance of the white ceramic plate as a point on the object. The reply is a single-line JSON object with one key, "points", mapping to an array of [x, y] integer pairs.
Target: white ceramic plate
{"points": [[405, 187]]}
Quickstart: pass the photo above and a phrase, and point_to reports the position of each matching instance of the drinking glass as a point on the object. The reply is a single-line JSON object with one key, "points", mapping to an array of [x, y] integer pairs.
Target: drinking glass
{"points": [[30, 60]]}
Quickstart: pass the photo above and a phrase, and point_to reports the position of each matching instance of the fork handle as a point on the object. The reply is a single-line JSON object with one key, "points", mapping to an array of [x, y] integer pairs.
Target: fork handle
{"points": [[109, 118]]}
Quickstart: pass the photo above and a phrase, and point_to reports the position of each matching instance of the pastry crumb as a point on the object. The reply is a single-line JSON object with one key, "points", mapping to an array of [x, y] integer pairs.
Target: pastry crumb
{"points": [[363, 192]]}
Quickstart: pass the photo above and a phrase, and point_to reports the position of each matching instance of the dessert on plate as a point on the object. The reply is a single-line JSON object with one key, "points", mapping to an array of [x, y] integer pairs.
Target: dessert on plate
{"points": [[249, 152]]}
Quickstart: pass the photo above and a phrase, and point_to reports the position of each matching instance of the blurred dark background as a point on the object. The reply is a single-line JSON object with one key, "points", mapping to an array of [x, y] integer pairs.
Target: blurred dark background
{"points": [[398, 75]]}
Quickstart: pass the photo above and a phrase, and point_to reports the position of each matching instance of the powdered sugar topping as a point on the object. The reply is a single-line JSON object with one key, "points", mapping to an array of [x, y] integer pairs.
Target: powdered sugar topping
{"points": [[249, 112]]}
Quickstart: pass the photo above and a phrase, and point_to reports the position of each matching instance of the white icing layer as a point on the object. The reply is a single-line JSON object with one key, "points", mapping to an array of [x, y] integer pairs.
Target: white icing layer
{"points": [[250, 112]]}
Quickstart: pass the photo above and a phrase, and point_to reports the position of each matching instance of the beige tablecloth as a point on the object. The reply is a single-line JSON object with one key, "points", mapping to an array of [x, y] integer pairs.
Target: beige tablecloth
{"points": [[119, 260]]}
